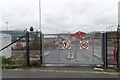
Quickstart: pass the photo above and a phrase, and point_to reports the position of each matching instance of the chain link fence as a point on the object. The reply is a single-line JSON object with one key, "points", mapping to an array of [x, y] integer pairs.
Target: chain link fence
{"points": [[112, 48], [19, 53], [17, 50]]}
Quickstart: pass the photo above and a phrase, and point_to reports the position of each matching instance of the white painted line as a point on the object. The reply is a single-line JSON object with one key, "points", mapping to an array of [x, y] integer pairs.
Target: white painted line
{"points": [[98, 69], [46, 53], [96, 53]]}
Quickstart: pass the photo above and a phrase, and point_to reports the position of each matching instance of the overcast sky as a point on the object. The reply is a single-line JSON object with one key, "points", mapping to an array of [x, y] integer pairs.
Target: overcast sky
{"points": [[59, 15]]}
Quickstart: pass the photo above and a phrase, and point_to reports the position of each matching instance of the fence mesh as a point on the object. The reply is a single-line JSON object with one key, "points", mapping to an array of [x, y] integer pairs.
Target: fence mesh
{"points": [[18, 57], [68, 49], [111, 48]]}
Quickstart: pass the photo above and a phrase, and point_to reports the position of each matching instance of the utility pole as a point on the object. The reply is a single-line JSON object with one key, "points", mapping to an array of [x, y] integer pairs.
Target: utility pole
{"points": [[41, 35], [40, 14]]}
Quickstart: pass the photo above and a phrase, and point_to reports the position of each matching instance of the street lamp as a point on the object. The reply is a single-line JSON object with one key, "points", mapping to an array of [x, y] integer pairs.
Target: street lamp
{"points": [[40, 14], [6, 25]]}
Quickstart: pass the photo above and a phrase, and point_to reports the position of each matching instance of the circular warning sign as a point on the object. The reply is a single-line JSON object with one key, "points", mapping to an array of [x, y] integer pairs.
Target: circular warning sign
{"points": [[66, 44], [84, 44]]}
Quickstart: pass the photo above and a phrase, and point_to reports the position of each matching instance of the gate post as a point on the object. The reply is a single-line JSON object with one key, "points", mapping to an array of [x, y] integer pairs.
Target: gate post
{"points": [[41, 47], [27, 49], [118, 30], [104, 48]]}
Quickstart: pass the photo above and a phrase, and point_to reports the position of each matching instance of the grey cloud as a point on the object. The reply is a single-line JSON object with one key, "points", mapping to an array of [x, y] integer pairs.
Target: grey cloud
{"points": [[65, 15], [109, 20], [19, 14]]}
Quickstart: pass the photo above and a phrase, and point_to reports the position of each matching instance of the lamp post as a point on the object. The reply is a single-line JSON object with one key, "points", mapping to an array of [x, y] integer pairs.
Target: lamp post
{"points": [[41, 35], [40, 14], [6, 26]]}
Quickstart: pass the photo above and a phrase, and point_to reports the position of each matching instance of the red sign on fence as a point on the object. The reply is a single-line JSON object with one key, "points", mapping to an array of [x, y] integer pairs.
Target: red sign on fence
{"points": [[66, 44]]}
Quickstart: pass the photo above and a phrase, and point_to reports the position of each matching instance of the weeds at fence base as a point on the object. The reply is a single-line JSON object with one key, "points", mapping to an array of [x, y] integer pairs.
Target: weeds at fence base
{"points": [[116, 68], [35, 64], [13, 63], [11, 66]]}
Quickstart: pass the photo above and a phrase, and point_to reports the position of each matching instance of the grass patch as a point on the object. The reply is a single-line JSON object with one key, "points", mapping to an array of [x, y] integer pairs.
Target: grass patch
{"points": [[13, 63], [116, 68], [11, 66], [0, 63]]}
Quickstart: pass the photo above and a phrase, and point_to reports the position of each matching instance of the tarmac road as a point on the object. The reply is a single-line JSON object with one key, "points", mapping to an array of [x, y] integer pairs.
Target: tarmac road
{"points": [[59, 72]]}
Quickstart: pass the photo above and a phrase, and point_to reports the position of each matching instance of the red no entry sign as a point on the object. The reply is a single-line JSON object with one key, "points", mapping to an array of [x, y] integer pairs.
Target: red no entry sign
{"points": [[84, 44], [66, 44]]}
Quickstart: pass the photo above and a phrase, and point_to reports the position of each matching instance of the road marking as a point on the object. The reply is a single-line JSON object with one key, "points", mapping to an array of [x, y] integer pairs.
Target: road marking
{"points": [[98, 69]]}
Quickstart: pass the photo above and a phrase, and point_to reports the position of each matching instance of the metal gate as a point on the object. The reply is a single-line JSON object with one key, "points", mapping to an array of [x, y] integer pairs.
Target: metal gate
{"points": [[69, 50]]}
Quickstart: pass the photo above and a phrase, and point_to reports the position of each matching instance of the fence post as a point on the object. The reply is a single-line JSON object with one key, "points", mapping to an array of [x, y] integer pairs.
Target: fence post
{"points": [[27, 49], [104, 48], [118, 29]]}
